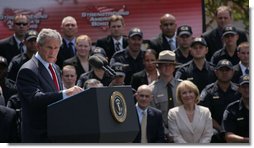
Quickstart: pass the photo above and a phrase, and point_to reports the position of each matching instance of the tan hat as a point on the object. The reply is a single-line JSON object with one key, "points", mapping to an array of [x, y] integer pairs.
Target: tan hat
{"points": [[166, 56]]}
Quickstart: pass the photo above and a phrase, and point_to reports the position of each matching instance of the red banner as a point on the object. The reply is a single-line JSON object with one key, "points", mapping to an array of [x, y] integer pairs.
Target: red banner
{"points": [[92, 15]]}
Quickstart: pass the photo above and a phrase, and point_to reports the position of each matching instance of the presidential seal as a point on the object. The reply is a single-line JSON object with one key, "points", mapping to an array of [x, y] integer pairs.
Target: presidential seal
{"points": [[118, 107]]}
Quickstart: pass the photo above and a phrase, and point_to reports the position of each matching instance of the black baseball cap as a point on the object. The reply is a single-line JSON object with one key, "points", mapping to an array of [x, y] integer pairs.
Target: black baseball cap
{"points": [[224, 63], [245, 79], [184, 30], [119, 68], [229, 30], [199, 40], [135, 31], [30, 34]]}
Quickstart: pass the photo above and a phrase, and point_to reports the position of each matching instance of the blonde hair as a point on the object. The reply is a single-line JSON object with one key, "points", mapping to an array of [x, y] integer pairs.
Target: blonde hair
{"points": [[186, 84], [84, 37], [223, 8], [115, 18]]}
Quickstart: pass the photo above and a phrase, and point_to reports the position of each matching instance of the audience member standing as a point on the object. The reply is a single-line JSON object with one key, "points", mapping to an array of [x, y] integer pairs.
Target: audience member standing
{"points": [[20, 59], [164, 89], [8, 86], [39, 84], [132, 55], [242, 68], [69, 76], [166, 40], [223, 18], [69, 28], [218, 95], [80, 60], [13, 45], [198, 70], [189, 122], [235, 121], [150, 72], [184, 40], [118, 79], [116, 41], [229, 51], [150, 118]]}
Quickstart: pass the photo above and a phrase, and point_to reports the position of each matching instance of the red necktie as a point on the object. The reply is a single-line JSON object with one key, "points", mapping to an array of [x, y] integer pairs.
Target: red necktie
{"points": [[54, 77]]}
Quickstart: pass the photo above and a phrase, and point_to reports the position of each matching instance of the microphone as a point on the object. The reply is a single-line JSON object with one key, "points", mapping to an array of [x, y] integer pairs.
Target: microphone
{"points": [[105, 63], [96, 62]]}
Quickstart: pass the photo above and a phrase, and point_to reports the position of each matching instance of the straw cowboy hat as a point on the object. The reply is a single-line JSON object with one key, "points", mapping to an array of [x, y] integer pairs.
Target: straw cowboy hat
{"points": [[167, 57]]}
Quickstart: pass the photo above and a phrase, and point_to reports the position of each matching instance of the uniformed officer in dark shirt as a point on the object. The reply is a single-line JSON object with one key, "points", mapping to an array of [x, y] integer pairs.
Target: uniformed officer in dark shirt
{"points": [[184, 40], [198, 70], [229, 50], [236, 116], [132, 55], [20, 59], [219, 94], [8, 86]]}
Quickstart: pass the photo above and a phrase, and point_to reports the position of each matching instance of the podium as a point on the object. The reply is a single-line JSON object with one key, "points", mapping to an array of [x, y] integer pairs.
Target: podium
{"points": [[96, 115]]}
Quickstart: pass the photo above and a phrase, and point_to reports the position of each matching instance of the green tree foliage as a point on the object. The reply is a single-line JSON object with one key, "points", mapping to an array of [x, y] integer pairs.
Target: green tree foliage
{"points": [[240, 10]]}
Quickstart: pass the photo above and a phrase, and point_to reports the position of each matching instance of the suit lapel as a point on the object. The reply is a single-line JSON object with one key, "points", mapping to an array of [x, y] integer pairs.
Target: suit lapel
{"points": [[197, 117], [45, 74], [144, 77], [185, 118]]}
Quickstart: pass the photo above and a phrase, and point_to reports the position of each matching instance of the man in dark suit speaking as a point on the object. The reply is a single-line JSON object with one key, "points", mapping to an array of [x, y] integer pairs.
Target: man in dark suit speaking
{"points": [[39, 84]]}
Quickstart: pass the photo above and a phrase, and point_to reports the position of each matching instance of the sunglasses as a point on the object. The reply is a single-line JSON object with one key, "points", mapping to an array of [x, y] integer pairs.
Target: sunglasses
{"points": [[19, 24]]}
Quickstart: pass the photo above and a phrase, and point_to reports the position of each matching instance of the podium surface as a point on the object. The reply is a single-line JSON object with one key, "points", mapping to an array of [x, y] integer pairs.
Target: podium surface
{"points": [[96, 115]]}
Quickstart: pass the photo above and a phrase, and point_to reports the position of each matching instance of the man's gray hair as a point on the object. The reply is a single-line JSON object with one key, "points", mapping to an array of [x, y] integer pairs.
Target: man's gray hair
{"points": [[48, 33]]}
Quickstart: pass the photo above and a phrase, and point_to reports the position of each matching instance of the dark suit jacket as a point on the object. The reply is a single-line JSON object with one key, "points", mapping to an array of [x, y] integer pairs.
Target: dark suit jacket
{"points": [[107, 44], [214, 42], [155, 130], [64, 53], [76, 62], [138, 79], [159, 44], [238, 73], [9, 48], [36, 90], [8, 125]]}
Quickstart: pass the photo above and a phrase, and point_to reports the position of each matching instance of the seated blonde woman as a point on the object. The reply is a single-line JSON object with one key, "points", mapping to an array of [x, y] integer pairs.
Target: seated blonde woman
{"points": [[189, 122]]}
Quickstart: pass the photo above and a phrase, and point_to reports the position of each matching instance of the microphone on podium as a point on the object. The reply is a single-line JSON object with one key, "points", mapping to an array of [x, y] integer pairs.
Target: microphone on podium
{"points": [[105, 63], [96, 62]]}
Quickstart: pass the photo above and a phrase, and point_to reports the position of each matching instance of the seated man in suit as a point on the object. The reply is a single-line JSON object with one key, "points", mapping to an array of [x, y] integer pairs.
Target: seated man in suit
{"points": [[150, 119]]}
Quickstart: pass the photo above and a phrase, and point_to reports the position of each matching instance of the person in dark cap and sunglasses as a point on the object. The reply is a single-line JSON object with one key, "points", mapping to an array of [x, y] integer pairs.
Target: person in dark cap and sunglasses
{"points": [[13, 45]]}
